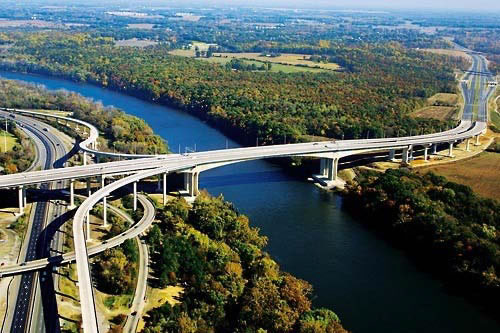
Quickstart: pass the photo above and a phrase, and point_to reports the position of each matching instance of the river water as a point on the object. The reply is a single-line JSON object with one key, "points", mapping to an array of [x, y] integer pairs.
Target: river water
{"points": [[369, 284]]}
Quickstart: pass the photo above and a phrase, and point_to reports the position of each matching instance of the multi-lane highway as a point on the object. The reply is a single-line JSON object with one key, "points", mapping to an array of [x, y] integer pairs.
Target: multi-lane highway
{"points": [[473, 124], [50, 149]]}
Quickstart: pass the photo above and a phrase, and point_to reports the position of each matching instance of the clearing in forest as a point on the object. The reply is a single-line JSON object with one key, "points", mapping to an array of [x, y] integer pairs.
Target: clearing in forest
{"points": [[440, 106]]}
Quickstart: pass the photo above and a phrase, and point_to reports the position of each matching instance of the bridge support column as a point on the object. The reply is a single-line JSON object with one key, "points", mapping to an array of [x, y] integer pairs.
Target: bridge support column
{"points": [[467, 144], [450, 152], [20, 193], [392, 154], [25, 198], [89, 187], [135, 196], [71, 194], [196, 180], [426, 153], [333, 168], [84, 158], [477, 141], [103, 181], [105, 211], [434, 149], [191, 180], [405, 157], [323, 167], [411, 153], [164, 189]]}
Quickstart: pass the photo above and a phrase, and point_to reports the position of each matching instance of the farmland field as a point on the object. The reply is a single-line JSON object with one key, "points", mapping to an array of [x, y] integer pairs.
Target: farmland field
{"points": [[480, 173], [286, 63], [440, 106], [274, 68], [285, 59]]}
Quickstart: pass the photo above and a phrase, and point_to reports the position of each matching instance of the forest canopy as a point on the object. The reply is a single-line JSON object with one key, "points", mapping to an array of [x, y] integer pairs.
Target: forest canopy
{"points": [[381, 84]]}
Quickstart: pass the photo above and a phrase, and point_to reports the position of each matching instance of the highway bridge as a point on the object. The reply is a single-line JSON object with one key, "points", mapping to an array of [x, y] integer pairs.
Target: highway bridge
{"points": [[472, 125]]}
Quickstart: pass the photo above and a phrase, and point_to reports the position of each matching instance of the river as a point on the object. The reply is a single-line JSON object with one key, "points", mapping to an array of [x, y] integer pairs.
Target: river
{"points": [[369, 284]]}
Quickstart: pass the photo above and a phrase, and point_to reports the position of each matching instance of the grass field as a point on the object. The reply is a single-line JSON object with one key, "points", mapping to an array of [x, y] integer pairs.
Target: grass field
{"points": [[286, 63], [284, 59], [55, 112], [191, 52], [275, 67], [157, 297], [440, 106], [480, 173], [11, 141]]}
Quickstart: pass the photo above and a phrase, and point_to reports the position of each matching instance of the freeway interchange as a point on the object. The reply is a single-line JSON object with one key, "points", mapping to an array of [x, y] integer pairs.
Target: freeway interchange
{"points": [[473, 124]]}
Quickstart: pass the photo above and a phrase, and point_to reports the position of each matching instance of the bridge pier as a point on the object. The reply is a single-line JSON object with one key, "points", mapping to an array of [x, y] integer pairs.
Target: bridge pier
{"points": [[411, 153], [405, 158], [191, 182], [25, 198], [434, 149], [450, 152], [333, 166], [477, 141], [323, 167], [20, 193], [392, 154], [104, 203], [164, 189], [328, 173], [89, 187], [135, 196], [84, 158], [426, 153], [105, 211], [71, 194], [467, 144]]}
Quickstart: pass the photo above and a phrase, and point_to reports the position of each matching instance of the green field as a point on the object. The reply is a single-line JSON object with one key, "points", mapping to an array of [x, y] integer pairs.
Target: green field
{"points": [[441, 106], [11, 141], [293, 60], [275, 67]]}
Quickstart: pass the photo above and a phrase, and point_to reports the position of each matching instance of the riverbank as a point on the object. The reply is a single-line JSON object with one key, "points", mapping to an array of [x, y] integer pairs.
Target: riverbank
{"points": [[444, 226]]}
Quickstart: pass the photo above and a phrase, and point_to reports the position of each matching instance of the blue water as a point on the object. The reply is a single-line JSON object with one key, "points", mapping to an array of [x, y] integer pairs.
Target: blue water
{"points": [[370, 285]]}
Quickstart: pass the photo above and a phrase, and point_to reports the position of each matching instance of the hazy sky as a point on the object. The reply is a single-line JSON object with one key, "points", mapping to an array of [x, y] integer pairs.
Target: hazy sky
{"points": [[482, 5]]}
